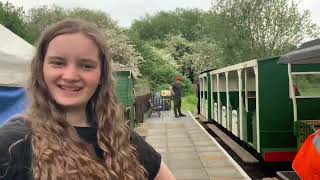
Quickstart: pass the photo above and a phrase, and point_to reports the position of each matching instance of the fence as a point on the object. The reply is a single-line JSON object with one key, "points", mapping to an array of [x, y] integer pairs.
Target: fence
{"points": [[142, 105]]}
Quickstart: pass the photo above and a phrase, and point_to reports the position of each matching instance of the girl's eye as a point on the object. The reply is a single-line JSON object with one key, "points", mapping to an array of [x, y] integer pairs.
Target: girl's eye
{"points": [[57, 63], [87, 66]]}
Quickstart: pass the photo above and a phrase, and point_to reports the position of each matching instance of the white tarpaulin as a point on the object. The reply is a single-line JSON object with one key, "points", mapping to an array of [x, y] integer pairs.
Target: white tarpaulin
{"points": [[15, 57]]}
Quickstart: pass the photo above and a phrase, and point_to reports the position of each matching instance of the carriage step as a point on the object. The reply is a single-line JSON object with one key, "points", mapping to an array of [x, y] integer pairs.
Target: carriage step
{"points": [[240, 151], [288, 175]]}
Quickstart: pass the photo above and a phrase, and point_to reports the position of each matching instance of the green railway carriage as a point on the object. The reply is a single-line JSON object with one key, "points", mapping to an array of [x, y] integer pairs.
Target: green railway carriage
{"points": [[254, 101], [125, 92], [304, 84]]}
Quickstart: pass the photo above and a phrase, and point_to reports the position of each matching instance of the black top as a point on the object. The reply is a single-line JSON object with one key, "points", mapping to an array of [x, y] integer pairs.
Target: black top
{"points": [[16, 165], [176, 88]]}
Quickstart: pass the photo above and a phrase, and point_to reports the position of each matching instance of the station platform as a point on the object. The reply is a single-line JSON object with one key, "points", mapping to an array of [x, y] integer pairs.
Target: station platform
{"points": [[188, 149]]}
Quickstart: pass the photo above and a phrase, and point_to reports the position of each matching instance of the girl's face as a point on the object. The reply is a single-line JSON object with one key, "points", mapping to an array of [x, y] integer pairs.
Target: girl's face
{"points": [[72, 69]]}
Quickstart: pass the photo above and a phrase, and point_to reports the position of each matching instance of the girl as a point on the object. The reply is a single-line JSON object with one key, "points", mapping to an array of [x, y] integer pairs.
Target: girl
{"points": [[74, 127]]}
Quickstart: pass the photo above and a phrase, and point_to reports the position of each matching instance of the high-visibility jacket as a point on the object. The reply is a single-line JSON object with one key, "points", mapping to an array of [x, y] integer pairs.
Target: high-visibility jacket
{"points": [[307, 161]]}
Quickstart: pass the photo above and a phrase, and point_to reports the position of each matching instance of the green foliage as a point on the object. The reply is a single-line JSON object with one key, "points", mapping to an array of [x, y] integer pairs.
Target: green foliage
{"points": [[163, 74], [41, 17], [13, 18], [185, 22], [205, 56], [307, 84], [102, 19], [157, 65], [187, 87], [178, 47], [155, 27], [189, 103], [193, 57], [163, 87], [184, 41], [121, 49], [250, 29], [231, 32], [142, 86]]}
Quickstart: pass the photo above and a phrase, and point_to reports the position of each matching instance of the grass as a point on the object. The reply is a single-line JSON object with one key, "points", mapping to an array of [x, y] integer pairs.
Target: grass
{"points": [[310, 92], [189, 103]]}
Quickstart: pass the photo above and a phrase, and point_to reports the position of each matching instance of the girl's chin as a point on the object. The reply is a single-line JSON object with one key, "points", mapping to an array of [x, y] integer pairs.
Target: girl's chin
{"points": [[71, 105]]}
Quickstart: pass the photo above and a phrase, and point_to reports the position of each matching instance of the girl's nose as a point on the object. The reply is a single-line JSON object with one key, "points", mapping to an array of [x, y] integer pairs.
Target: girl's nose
{"points": [[71, 73]]}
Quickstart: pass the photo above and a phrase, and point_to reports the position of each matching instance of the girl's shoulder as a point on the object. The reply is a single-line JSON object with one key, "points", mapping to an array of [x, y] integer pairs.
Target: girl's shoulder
{"points": [[15, 148], [147, 155], [15, 129]]}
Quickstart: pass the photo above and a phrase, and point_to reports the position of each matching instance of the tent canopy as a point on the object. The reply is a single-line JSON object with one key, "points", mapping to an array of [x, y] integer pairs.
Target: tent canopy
{"points": [[15, 57], [307, 53]]}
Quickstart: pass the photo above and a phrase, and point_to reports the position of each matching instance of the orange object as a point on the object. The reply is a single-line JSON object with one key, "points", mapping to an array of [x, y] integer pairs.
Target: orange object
{"points": [[307, 162]]}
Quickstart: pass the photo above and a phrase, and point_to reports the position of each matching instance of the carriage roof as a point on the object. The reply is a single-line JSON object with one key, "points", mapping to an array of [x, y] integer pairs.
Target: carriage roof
{"points": [[307, 53]]}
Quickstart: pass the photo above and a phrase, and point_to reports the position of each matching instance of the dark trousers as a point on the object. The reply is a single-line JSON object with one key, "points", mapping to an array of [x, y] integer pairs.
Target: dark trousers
{"points": [[177, 107], [198, 105]]}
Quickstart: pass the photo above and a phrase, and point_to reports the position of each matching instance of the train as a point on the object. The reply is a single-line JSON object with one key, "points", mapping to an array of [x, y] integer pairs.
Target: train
{"points": [[270, 105]]}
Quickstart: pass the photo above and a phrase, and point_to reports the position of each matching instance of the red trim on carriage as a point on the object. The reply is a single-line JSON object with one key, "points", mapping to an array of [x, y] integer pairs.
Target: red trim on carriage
{"points": [[279, 156]]}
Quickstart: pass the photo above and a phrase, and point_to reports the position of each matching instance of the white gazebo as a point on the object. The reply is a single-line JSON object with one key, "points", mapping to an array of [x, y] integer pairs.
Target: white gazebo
{"points": [[15, 57]]}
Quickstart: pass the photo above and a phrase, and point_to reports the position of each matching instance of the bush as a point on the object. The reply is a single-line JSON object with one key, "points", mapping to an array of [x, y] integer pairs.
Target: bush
{"points": [[142, 87], [188, 87], [189, 103], [163, 87]]}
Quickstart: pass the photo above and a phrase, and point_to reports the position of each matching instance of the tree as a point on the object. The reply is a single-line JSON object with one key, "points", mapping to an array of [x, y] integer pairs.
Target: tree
{"points": [[122, 51], [205, 56], [41, 17], [249, 29], [185, 22], [193, 57], [158, 65], [13, 18], [179, 47], [101, 18]]}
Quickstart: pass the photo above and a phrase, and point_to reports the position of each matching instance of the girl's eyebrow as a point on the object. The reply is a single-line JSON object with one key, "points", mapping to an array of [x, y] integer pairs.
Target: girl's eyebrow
{"points": [[55, 58], [87, 60], [82, 60]]}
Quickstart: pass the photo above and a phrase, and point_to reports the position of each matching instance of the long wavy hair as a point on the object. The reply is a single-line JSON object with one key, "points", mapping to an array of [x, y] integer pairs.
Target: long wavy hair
{"points": [[58, 151]]}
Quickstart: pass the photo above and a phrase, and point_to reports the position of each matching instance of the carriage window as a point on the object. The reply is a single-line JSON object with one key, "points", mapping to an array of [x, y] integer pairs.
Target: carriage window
{"points": [[306, 85]]}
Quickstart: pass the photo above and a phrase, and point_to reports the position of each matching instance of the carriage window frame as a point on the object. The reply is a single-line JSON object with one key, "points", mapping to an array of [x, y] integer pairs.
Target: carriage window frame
{"points": [[293, 74]]}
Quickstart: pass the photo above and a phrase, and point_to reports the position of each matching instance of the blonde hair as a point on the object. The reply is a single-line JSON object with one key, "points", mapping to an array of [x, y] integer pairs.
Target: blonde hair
{"points": [[58, 151]]}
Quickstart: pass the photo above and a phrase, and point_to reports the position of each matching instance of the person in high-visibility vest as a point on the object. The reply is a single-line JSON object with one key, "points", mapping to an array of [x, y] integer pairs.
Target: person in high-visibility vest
{"points": [[307, 161]]}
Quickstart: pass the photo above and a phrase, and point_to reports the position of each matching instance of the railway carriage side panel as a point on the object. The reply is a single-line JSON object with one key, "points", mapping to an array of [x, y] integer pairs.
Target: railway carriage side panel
{"points": [[277, 140]]}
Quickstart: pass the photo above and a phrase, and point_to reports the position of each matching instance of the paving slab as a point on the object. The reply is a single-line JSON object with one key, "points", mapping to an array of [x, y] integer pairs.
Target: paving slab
{"points": [[223, 172], [207, 148], [191, 174], [182, 149], [183, 155], [188, 150], [185, 164]]}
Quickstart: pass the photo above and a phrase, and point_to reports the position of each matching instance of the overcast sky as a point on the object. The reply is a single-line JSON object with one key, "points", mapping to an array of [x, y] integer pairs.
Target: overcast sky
{"points": [[124, 11]]}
